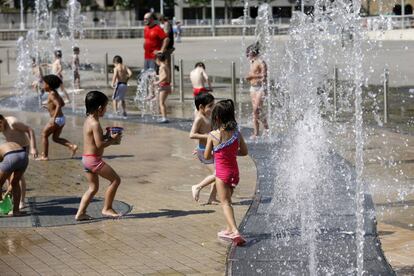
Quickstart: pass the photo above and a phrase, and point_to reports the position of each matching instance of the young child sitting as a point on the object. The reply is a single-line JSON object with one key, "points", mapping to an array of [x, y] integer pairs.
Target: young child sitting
{"points": [[226, 142], [204, 103], [14, 161], [93, 148]]}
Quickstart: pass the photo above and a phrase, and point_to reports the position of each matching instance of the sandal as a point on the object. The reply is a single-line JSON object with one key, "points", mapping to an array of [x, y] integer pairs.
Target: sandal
{"points": [[238, 240], [225, 234]]}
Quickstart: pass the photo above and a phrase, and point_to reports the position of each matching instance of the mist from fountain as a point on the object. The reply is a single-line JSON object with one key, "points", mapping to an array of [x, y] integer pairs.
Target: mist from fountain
{"points": [[243, 63], [305, 182], [145, 84], [75, 24]]}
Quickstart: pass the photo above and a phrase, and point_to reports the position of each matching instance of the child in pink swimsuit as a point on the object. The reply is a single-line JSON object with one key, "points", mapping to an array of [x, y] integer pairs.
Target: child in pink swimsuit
{"points": [[94, 143], [226, 142]]}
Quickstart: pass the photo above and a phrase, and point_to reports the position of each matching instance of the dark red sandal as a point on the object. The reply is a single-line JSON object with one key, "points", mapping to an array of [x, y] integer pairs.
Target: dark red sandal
{"points": [[238, 240]]}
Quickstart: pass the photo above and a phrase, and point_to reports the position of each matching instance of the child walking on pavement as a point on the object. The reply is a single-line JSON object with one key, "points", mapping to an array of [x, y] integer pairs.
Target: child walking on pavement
{"points": [[94, 143], [226, 142], [57, 120], [204, 103], [119, 81]]}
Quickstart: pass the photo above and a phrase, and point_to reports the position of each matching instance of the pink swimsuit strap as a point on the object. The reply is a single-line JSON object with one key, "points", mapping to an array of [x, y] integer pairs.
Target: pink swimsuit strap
{"points": [[91, 155]]}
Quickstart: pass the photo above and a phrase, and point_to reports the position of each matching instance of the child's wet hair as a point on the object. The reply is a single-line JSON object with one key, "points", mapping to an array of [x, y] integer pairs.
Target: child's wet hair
{"points": [[161, 57], [203, 98], [53, 81], [200, 64], [253, 49], [117, 59], [76, 49], [94, 100], [223, 115], [1, 117], [58, 53]]}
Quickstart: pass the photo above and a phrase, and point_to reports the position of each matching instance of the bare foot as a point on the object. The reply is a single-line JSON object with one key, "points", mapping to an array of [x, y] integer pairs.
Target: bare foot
{"points": [[150, 97], [196, 192], [73, 149], [212, 202], [42, 158], [110, 213], [22, 205], [83, 217]]}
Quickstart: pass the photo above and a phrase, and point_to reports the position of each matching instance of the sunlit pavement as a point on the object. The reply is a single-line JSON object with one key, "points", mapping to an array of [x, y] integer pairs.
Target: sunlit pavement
{"points": [[166, 233]]}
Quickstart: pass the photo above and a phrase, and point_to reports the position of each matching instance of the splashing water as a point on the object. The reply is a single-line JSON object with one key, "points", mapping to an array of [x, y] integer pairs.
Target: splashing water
{"points": [[75, 20], [331, 34], [145, 86], [24, 70], [242, 60]]}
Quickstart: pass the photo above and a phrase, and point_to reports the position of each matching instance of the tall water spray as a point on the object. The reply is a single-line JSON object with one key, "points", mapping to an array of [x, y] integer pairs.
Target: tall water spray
{"points": [[75, 24], [242, 59], [24, 69], [144, 87], [331, 34], [265, 39]]}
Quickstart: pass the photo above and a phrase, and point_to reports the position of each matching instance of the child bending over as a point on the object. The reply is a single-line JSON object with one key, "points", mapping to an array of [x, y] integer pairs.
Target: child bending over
{"points": [[14, 161]]}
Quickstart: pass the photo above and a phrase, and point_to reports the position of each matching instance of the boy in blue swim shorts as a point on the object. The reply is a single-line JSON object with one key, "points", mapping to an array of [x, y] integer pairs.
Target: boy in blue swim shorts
{"points": [[13, 165], [201, 127]]}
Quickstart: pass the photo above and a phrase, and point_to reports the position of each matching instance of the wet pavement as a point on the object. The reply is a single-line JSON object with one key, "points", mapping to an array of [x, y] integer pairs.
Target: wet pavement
{"points": [[155, 185], [166, 233]]}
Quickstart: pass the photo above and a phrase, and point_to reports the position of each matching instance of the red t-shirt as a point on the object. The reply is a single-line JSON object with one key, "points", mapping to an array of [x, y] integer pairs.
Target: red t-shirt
{"points": [[153, 40]]}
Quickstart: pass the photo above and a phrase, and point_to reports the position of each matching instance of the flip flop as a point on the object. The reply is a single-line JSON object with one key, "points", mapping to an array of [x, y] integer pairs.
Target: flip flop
{"points": [[224, 234], [238, 240]]}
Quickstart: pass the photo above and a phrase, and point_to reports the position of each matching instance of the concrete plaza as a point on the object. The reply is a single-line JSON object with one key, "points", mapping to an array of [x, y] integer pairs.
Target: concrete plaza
{"points": [[167, 233]]}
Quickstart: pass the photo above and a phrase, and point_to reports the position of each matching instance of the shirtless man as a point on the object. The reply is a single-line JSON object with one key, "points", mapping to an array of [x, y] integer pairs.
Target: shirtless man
{"points": [[57, 70], [257, 78], [119, 81], [57, 121], [23, 135], [13, 164], [199, 79]]}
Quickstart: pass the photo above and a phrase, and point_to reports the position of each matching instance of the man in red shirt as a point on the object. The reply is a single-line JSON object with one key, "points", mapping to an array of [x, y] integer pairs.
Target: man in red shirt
{"points": [[155, 40]]}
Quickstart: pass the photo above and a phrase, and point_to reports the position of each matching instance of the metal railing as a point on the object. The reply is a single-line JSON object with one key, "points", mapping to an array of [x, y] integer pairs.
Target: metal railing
{"points": [[385, 88]]}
